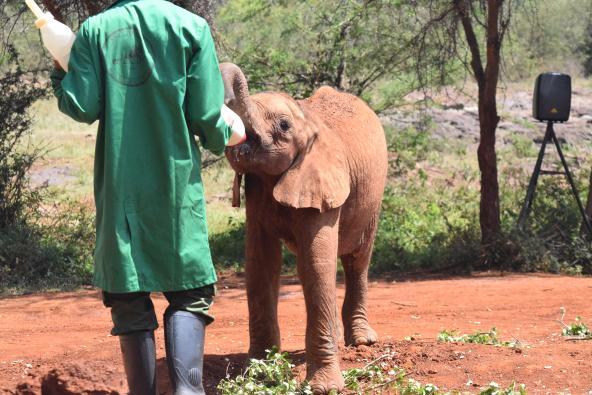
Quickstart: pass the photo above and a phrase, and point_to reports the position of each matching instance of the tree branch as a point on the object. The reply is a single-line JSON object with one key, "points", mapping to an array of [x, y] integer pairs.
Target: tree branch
{"points": [[493, 46], [462, 11]]}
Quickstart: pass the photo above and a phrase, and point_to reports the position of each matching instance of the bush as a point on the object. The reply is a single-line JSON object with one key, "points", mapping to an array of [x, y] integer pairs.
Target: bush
{"points": [[272, 375], [429, 223], [424, 224], [18, 93], [227, 247], [49, 250], [551, 240], [422, 229], [40, 248]]}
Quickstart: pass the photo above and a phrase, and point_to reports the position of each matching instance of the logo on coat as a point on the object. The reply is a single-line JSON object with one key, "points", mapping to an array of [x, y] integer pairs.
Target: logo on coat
{"points": [[127, 58]]}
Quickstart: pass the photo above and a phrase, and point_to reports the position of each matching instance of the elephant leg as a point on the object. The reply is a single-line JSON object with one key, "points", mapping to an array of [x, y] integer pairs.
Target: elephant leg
{"points": [[317, 265], [263, 266], [357, 330]]}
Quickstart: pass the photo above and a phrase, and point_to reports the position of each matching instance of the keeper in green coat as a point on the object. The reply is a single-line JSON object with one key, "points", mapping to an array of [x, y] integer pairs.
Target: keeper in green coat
{"points": [[148, 71]]}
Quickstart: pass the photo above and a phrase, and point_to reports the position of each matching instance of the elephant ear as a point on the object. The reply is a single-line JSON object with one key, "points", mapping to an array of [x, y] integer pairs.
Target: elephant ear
{"points": [[319, 178]]}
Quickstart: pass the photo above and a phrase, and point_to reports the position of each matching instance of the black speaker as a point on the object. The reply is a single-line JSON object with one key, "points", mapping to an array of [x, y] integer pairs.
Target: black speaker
{"points": [[552, 97]]}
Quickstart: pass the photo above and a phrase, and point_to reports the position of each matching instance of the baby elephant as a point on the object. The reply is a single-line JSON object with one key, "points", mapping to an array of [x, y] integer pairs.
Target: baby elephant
{"points": [[315, 172]]}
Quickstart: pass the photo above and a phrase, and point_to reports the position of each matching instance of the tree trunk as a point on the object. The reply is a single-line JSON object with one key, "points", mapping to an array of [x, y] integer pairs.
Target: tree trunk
{"points": [[92, 7], [489, 211], [583, 228], [488, 120], [203, 8], [52, 7], [489, 206]]}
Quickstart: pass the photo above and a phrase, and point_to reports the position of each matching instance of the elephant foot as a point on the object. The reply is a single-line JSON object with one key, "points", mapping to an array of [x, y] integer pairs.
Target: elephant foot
{"points": [[259, 346], [325, 379], [361, 334]]}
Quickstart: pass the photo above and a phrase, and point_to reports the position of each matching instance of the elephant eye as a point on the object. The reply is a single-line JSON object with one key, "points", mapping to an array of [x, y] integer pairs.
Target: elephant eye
{"points": [[284, 125]]}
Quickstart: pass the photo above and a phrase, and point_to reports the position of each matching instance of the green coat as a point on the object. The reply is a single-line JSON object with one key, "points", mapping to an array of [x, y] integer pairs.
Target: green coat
{"points": [[147, 70]]}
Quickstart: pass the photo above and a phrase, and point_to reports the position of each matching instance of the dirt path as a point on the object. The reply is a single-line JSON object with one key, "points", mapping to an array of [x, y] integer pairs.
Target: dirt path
{"points": [[60, 341]]}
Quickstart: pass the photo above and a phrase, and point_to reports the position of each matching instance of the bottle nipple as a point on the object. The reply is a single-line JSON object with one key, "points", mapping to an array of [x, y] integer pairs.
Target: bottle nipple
{"points": [[43, 18]]}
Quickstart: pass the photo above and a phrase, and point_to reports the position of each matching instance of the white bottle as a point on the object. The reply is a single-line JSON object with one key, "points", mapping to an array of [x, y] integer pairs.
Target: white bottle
{"points": [[57, 37], [236, 125]]}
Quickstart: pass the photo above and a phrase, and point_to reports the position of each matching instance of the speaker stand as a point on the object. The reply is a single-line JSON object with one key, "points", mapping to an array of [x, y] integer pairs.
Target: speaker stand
{"points": [[550, 136]]}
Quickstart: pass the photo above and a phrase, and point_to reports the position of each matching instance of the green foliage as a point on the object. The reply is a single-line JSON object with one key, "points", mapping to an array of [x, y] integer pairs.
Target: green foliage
{"points": [[375, 49], [412, 145], [228, 246], [585, 50], [18, 93], [577, 329], [360, 47], [430, 212], [551, 240], [420, 228], [495, 389], [424, 224], [41, 247], [272, 375], [547, 35], [377, 374], [373, 379], [488, 338], [372, 49], [50, 249], [523, 147]]}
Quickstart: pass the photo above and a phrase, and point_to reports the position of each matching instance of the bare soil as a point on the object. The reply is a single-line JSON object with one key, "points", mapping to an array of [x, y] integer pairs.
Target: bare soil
{"points": [[60, 343]]}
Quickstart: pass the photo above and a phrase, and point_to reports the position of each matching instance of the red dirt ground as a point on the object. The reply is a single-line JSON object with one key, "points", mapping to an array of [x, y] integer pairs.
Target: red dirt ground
{"points": [[60, 343]]}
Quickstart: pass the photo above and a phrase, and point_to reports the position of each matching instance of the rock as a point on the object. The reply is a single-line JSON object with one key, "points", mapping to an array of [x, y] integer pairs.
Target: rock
{"points": [[459, 123]]}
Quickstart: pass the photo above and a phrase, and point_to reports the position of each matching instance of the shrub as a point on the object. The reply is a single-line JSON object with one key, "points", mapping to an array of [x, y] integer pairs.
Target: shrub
{"points": [[430, 221], [40, 247], [426, 229], [272, 375], [18, 93], [487, 338], [228, 246], [52, 249]]}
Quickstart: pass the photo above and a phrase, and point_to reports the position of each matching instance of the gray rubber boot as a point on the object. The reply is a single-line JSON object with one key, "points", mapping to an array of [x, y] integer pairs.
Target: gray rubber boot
{"points": [[184, 334], [139, 359]]}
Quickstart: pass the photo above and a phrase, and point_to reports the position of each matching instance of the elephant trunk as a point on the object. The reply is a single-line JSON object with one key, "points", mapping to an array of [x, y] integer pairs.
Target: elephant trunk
{"points": [[237, 98], [236, 91]]}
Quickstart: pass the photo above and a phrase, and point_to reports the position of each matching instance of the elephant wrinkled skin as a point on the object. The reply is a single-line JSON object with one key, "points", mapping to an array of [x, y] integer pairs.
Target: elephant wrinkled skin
{"points": [[315, 172]]}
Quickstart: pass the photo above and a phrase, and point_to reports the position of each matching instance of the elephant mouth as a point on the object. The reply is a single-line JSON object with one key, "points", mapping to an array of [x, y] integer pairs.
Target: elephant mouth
{"points": [[252, 157], [240, 155]]}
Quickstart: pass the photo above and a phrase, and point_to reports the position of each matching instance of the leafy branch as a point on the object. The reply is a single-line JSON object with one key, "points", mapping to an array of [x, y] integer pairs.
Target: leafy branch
{"points": [[487, 338]]}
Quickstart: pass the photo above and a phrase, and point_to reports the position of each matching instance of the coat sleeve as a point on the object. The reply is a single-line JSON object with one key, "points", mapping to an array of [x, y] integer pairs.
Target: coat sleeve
{"points": [[205, 96], [79, 91]]}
